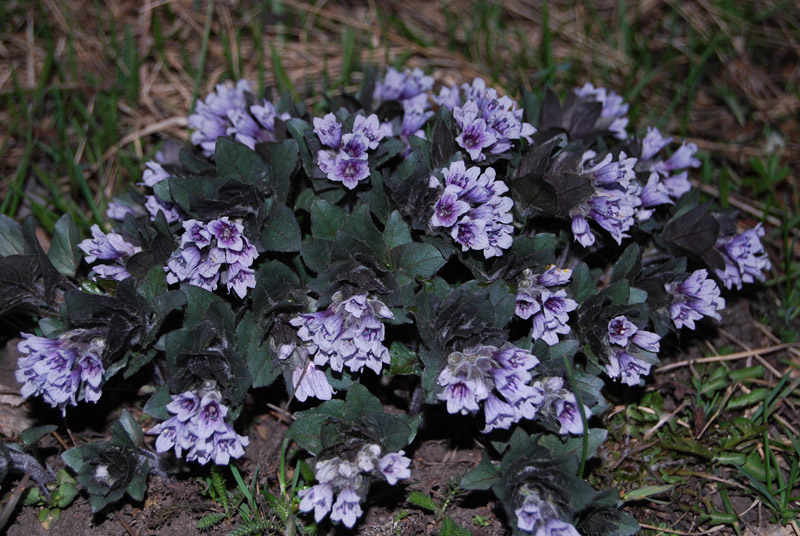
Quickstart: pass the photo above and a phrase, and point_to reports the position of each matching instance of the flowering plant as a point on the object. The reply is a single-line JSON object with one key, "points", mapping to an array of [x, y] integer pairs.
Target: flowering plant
{"points": [[450, 242]]}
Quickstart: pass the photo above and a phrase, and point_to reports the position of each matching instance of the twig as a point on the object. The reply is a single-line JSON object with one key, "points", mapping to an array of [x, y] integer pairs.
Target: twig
{"points": [[756, 354], [729, 357], [680, 532], [663, 420], [16, 495], [128, 528]]}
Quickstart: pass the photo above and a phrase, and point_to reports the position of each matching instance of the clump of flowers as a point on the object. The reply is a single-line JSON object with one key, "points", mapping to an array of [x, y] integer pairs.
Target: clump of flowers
{"points": [[198, 430], [348, 480], [347, 334], [473, 209], [549, 307], [345, 160], [61, 370], [294, 252], [488, 124], [210, 251]]}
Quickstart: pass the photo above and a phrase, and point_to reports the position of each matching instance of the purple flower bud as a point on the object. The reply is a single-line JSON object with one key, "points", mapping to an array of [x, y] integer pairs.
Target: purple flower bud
{"points": [[116, 211], [745, 258], [677, 185], [680, 159], [556, 527], [626, 367], [529, 513], [154, 205], [110, 246], [695, 297], [153, 174], [652, 143], [581, 231], [347, 508], [647, 340], [395, 466], [318, 498], [554, 276], [498, 414]]}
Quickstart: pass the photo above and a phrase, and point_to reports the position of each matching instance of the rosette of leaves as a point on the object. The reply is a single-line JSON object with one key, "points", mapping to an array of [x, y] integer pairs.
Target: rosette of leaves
{"points": [[107, 470], [547, 468]]}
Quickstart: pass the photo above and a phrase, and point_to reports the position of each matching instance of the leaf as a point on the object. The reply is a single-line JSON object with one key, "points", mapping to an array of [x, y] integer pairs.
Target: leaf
{"points": [[238, 162], [64, 252], [403, 360], [644, 492], [127, 425], [628, 264], [417, 259], [282, 158], [396, 232], [306, 432], [138, 484], [360, 402], [450, 528], [74, 458], [259, 361], [12, 241], [198, 301], [30, 436], [417, 498], [483, 476], [326, 220], [281, 231], [156, 406], [583, 284]]}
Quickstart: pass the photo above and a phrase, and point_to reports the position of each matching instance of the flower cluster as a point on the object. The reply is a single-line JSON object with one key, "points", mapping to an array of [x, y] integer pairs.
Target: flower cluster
{"points": [[625, 339], [550, 308], [345, 160], [475, 374], [61, 370], [108, 247], [613, 202], [537, 513], [487, 124], [348, 333], [229, 112], [674, 185], [612, 116], [744, 256], [209, 249], [402, 86], [472, 207], [346, 479], [693, 298], [561, 404], [198, 429]]}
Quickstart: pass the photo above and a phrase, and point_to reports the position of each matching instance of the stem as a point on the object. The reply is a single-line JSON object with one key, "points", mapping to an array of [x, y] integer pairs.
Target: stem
{"points": [[584, 421]]}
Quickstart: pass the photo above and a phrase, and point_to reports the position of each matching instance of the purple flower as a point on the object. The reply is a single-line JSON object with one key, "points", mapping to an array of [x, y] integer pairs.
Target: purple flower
{"points": [[347, 508], [239, 279], [369, 128], [654, 193], [529, 513], [554, 276], [211, 118], [348, 171], [556, 527], [474, 135], [154, 205], [581, 231], [318, 498], [549, 308], [608, 173], [745, 258], [470, 234], [395, 466], [498, 414], [198, 428], [329, 130], [680, 159], [58, 368], [153, 174], [228, 235], [117, 211], [612, 116], [647, 340], [448, 208], [620, 329], [104, 246], [568, 415], [402, 86], [693, 298], [311, 382], [677, 185], [626, 367], [614, 212]]}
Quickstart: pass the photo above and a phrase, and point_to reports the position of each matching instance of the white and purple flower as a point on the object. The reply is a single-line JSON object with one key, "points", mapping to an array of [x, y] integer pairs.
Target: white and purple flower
{"points": [[549, 308], [613, 115], [198, 429], [671, 175], [624, 340], [108, 247], [60, 369], [693, 298], [346, 160], [745, 258]]}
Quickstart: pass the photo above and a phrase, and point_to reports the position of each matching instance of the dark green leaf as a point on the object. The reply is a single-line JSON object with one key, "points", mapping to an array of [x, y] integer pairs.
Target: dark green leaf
{"points": [[482, 477], [451, 528], [416, 259], [30, 436], [417, 498], [326, 220], [281, 231], [138, 485], [238, 162], [360, 402], [248, 335], [157, 405], [198, 301], [628, 264], [403, 360], [64, 252], [396, 232], [12, 241]]}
